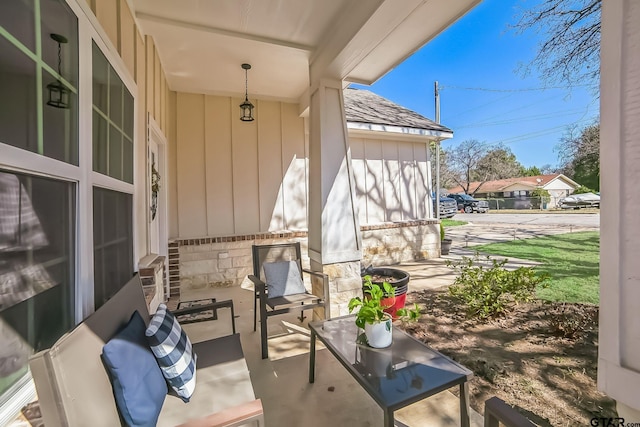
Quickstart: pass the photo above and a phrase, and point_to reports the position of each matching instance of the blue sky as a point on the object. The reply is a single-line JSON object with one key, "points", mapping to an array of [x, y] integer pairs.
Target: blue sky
{"points": [[479, 51]]}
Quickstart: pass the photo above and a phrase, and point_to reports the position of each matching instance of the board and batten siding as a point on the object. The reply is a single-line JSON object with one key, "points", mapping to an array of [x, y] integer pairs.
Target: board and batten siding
{"points": [[234, 177], [392, 179], [242, 178]]}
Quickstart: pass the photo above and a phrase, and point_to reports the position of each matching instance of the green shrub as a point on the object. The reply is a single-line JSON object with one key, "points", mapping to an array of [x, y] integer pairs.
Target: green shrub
{"points": [[491, 290], [581, 189], [441, 232]]}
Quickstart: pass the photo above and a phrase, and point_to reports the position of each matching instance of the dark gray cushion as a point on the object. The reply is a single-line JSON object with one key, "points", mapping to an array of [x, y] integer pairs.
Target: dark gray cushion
{"points": [[283, 278]]}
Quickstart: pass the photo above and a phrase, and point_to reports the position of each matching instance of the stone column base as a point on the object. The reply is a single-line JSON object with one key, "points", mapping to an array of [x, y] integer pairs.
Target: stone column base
{"points": [[344, 283]]}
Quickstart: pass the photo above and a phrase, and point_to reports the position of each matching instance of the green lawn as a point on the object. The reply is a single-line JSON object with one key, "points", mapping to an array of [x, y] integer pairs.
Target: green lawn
{"points": [[572, 260], [452, 223]]}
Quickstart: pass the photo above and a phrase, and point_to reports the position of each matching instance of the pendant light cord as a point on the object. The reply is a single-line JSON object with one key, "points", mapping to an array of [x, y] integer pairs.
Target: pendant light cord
{"points": [[59, 61], [246, 85]]}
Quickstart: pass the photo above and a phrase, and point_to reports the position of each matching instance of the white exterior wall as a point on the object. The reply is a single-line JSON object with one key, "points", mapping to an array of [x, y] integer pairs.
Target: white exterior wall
{"points": [[392, 181], [619, 336]]}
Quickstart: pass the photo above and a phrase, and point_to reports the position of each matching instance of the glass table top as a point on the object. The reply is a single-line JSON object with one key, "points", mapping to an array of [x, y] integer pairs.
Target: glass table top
{"points": [[398, 375]]}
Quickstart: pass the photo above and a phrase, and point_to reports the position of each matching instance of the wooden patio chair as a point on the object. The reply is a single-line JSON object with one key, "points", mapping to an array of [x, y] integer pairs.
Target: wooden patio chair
{"points": [[281, 290]]}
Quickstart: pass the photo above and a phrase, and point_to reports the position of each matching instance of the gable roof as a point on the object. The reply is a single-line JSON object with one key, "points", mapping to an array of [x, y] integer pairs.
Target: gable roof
{"points": [[502, 184], [365, 107]]}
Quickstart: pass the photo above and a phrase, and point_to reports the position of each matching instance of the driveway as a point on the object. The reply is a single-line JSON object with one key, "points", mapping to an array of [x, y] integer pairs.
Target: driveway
{"points": [[569, 220]]}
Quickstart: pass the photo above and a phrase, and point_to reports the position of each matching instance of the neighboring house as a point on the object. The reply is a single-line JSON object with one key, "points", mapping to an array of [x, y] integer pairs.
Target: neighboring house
{"points": [[516, 193]]}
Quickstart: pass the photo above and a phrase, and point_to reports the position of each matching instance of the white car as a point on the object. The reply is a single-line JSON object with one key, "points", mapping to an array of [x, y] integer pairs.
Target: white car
{"points": [[577, 201]]}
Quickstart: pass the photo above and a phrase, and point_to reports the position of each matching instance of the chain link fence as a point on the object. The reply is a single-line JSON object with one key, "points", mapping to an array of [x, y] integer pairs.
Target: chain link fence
{"points": [[517, 203]]}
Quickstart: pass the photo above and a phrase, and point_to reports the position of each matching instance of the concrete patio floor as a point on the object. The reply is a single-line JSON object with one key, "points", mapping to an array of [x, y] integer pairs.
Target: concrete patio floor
{"points": [[282, 380]]}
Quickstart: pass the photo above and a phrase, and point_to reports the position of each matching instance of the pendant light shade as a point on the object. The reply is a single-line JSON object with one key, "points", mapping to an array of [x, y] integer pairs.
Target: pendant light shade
{"points": [[246, 108]]}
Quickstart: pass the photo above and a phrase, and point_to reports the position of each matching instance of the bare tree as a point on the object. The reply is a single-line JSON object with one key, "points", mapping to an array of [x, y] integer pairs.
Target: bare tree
{"points": [[570, 49], [579, 152], [472, 163]]}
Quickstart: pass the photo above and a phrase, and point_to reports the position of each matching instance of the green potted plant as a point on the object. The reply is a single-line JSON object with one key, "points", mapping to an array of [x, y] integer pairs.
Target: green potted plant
{"points": [[445, 244], [372, 317]]}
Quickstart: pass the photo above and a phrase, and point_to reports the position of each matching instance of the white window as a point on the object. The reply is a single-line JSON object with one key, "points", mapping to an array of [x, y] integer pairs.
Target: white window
{"points": [[66, 178]]}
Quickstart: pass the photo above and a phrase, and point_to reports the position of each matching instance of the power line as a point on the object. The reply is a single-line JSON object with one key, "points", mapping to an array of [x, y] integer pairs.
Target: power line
{"points": [[536, 134], [522, 119], [531, 89]]}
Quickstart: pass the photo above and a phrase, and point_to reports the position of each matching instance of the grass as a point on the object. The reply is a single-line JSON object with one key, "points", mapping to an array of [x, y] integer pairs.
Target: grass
{"points": [[572, 260], [452, 223]]}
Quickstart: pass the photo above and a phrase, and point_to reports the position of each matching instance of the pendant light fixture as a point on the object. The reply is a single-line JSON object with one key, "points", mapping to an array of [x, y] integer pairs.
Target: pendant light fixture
{"points": [[246, 108], [58, 93]]}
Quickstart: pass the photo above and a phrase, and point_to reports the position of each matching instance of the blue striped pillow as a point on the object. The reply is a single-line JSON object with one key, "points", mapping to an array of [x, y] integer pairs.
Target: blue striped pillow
{"points": [[174, 353]]}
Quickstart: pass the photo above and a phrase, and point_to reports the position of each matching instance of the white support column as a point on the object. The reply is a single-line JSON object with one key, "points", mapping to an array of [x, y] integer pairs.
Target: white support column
{"points": [[619, 337], [334, 232]]}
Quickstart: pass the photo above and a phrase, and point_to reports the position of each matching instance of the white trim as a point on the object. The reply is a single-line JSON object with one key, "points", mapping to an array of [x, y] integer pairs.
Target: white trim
{"points": [[104, 181], [141, 16], [399, 130], [84, 288], [20, 160], [155, 134], [564, 178], [21, 393]]}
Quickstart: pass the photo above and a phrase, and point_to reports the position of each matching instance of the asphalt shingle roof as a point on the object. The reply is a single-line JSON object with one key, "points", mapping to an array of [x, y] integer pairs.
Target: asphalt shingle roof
{"points": [[363, 106], [499, 185]]}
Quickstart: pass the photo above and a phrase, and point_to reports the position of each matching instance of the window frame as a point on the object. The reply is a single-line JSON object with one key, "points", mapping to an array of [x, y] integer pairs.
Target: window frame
{"points": [[23, 161], [14, 159]]}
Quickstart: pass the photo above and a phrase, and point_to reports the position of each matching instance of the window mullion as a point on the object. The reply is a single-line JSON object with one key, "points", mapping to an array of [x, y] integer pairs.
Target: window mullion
{"points": [[39, 94]]}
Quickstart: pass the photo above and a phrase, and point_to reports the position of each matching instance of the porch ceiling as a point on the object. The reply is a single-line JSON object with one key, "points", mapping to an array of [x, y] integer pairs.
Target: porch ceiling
{"points": [[202, 43]]}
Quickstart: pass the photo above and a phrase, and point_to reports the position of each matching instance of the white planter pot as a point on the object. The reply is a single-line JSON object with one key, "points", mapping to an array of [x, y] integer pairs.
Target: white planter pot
{"points": [[379, 335]]}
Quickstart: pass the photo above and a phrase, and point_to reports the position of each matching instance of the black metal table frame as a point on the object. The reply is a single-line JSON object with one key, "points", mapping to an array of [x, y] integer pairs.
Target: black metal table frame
{"points": [[389, 410]]}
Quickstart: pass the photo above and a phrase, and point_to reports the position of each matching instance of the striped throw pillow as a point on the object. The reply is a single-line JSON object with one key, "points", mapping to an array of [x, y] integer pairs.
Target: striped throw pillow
{"points": [[172, 348]]}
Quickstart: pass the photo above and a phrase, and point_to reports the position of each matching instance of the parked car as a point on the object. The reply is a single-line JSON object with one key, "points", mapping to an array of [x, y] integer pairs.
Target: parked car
{"points": [[577, 201], [469, 204], [448, 206]]}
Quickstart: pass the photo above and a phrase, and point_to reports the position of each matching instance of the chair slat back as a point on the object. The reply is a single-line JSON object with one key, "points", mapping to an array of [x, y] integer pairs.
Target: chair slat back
{"points": [[274, 253]]}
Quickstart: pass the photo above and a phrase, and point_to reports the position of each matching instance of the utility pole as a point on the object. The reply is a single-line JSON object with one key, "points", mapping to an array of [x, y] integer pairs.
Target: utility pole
{"points": [[437, 101]]}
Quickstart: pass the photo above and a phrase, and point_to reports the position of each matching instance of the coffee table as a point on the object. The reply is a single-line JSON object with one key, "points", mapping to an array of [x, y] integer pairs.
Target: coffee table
{"points": [[399, 375]]}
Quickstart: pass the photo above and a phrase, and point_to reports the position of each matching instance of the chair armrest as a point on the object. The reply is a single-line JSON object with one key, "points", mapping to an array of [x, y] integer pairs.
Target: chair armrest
{"points": [[212, 306], [234, 416], [496, 411], [259, 284], [314, 273]]}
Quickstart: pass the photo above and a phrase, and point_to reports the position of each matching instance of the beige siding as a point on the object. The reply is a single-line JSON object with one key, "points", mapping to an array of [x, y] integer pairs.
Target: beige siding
{"points": [[294, 184], [391, 182], [254, 174], [245, 172], [127, 40], [421, 156], [270, 172], [376, 210], [219, 171], [392, 179], [107, 13], [172, 167], [407, 181], [192, 221], [360, 177]]}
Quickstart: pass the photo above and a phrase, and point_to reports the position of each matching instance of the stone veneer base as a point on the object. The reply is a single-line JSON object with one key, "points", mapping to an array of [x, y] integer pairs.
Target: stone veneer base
{"points": [[226, 260]]}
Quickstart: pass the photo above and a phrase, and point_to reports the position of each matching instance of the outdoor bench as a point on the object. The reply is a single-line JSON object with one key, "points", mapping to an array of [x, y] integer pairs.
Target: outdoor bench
{"points": [[74, 389]]}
